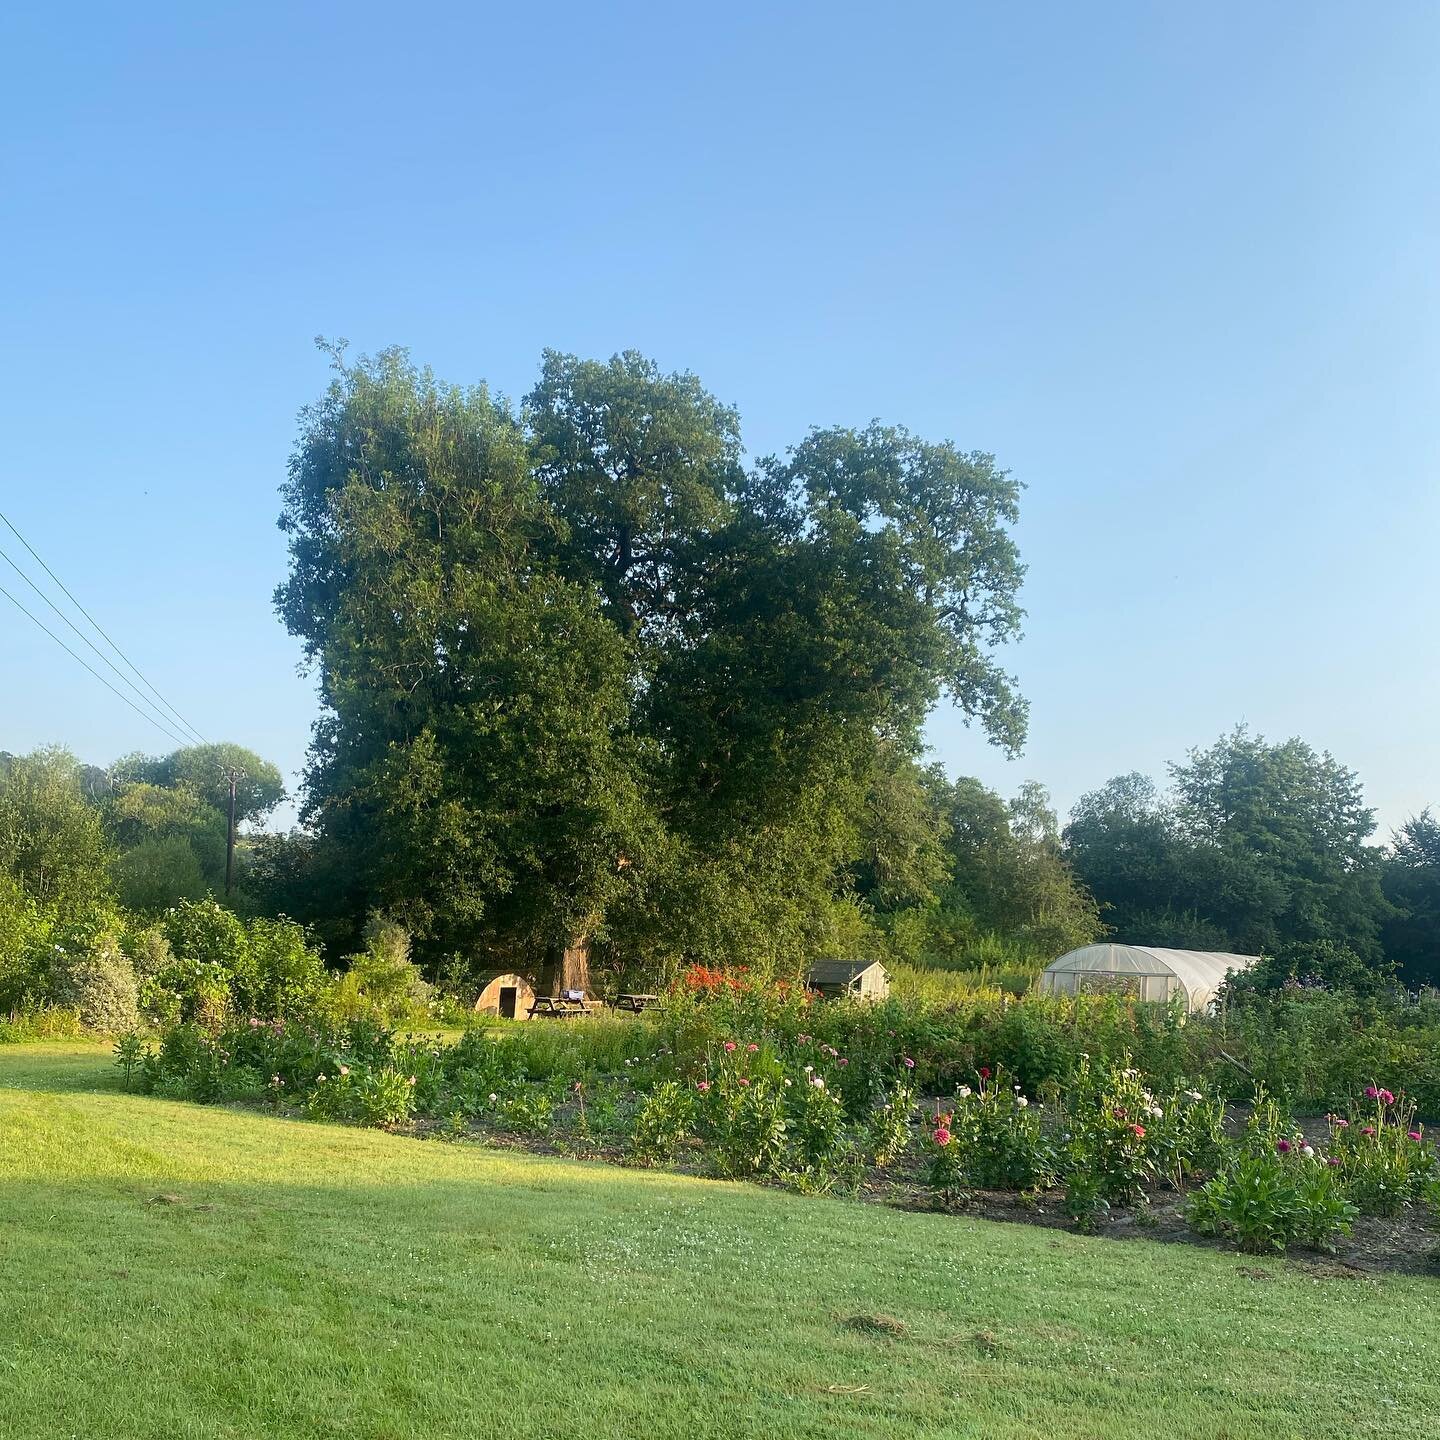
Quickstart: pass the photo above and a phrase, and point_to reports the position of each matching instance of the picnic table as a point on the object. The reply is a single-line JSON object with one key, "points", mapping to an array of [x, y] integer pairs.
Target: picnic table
{"points": [[635, 1003], [558, 1007]]}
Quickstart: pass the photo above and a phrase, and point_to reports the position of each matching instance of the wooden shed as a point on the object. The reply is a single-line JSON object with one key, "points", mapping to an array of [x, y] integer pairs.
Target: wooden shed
{"points": [[507, 995], [868, 979]]}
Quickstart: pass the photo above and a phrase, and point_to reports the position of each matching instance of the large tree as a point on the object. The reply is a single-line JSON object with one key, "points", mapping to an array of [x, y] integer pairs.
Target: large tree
{"points": [[168, 817], [588, 680], [1259, 845], [1412, 884]]}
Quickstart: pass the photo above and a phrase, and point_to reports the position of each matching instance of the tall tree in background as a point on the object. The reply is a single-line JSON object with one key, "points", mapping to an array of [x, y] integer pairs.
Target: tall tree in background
{"points": [[53, 846], [168, 817], [1259, 846], [1412, 885], [589, 681]]}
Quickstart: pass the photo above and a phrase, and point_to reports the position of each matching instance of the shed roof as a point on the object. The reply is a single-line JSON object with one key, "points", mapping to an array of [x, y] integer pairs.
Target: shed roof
{"points": [[838, 972], [1201, 972]]}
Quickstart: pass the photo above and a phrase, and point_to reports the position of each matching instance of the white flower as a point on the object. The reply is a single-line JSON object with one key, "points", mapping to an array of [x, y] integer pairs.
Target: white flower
{"points": [[1021, 1101], [493, 1097], [1308, 1151], [817, 1082], [1155, 1112], [964, 1092], [1192, 1095], [808, 1069]]}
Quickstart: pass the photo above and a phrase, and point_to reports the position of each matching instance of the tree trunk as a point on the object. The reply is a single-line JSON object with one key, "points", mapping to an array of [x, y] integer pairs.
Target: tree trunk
{"points": [[567, 967]]}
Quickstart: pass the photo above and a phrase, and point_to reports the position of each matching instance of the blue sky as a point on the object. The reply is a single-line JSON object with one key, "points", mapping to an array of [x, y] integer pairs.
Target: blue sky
{"points": [[1176, 266]]}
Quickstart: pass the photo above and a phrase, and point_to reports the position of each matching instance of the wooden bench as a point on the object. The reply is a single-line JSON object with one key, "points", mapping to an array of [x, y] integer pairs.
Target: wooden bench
{"points": [[555, 1007], [636, 1003]]}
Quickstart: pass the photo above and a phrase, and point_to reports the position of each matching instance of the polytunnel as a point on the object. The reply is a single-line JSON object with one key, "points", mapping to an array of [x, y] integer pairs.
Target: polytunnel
{"points": [[1143, 972]]}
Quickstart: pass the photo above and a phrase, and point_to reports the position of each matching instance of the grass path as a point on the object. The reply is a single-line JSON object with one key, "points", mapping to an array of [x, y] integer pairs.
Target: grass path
{"points": [[176, 1271]]}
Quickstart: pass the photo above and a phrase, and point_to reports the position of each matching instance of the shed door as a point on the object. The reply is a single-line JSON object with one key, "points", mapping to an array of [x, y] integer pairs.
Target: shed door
{"points": [[507, 1001]]}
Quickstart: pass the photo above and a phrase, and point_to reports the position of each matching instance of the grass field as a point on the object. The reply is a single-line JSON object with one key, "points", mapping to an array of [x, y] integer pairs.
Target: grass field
{"points": [[174, 1271]]}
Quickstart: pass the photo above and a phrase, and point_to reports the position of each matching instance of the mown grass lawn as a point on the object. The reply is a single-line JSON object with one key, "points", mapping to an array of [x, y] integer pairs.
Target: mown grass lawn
{"points": [[171, 1270]]}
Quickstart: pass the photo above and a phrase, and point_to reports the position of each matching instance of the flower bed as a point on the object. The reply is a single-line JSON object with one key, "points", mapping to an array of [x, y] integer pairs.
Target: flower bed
{"points": [[782, 1104]]}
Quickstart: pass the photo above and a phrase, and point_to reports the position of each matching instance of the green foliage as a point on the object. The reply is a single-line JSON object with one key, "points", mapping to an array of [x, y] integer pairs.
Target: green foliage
{"points": [[99, 983], [888, 1136], [1313, 964], [363, 1095], [53, 848], [588, 681], [40, 1022], [995, 1138], [1260, 846], [382, 983], [665, 1118], [157, 874], [744, 1123], [1412, 885], [1267, 1202], [197, 776], [1005, 877], [1380, 1153], [216, 964]]}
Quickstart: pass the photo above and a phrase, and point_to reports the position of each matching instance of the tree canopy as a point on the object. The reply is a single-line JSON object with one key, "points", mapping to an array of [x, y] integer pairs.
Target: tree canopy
{"points": [[1259, 846], [588, 677]]}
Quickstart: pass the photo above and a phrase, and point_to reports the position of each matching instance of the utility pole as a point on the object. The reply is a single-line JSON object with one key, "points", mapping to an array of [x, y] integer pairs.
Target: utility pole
{"points": [[234, 776]]}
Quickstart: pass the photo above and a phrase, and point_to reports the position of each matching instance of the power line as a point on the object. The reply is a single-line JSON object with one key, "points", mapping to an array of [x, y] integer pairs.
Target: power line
{"points": [[80, 634], [133, 667], [119, 694]]}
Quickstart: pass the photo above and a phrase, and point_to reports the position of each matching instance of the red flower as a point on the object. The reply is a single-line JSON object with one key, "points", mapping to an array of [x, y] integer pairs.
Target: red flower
{"points": [[984, 1072], [942, 1136], [1139, 1131]]}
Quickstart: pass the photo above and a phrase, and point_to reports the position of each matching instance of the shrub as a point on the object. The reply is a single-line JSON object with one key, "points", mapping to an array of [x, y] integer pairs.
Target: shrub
{"points": [[528, 1111], [363, 1095], [945, 1160], [1268, 1202], [889, 1129], [816, 1140], [284, 975], [744, 1121], [382, 983], [1381, 1153], [998, 1137], [662, 1123], [99, 984]]}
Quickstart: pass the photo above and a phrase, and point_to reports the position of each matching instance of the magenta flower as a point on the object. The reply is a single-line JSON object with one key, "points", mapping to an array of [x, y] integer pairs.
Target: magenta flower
{"points": [[1341, 1124], [743, 1080], [1283, 1146], [1386, 1098], [729, 1046], [842, 1061], [1371, 1093], [703, 1086], [942, 1136], [909, 1063], [751, 1048], [1368, 1130], [1333, 1161], [1413, 1135]]}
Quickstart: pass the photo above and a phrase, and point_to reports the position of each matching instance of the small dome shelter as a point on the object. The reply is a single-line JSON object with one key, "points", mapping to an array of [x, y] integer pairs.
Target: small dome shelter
{"points": [[1143, 972], [509, 996]]}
